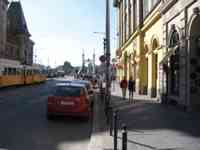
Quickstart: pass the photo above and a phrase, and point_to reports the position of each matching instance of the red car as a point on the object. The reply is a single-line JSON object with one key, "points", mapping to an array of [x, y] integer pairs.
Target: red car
{"points": [[69, 99]]}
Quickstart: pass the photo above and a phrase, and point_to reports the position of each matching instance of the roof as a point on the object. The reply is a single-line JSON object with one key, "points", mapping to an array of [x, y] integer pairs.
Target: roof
{"points": [[81, 81], [16, 20], [70, 84]]}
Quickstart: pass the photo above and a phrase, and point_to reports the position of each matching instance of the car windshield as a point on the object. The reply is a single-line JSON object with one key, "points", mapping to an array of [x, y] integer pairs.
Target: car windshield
{"points": [[67, 91]]}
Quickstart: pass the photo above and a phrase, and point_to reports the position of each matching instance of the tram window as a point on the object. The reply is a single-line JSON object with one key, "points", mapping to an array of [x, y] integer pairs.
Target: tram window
{"points": [[9, 71], [14, 71], [20, 71], [5, 71], [17, 71]]}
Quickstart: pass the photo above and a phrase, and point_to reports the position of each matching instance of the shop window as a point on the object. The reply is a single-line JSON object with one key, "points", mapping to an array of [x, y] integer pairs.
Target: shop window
{"points": [[174, 64]]}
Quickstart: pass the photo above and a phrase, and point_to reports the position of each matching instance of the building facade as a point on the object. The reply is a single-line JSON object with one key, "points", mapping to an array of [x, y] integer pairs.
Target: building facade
{"points": [[19, 44], [159, 42], [140, 48], [181, 78], [3, 24], [15, 42]]}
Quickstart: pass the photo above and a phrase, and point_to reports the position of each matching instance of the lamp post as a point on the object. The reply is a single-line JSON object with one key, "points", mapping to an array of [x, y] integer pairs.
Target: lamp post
{"points": [[107, 52]]}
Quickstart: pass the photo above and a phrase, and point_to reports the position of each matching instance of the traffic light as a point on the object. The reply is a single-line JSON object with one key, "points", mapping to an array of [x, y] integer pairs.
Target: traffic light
{"points": [[104, 43]]}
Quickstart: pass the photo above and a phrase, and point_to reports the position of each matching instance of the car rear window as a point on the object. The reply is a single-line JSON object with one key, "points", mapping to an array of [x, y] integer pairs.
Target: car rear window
{"points": [[67, 91], [87, 85]]}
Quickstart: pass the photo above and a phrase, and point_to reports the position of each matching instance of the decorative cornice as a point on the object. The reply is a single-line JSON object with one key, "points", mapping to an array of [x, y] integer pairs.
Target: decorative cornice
{"points": [[132, 37]]}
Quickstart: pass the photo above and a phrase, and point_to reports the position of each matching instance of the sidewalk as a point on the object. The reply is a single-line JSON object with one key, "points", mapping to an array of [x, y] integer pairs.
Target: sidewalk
{"points": [[100, 139], [116, 91], [152, 126]]}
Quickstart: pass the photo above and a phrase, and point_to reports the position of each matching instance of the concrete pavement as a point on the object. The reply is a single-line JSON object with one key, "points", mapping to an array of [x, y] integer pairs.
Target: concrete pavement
{"points": [[151, 126], [100, 139]]}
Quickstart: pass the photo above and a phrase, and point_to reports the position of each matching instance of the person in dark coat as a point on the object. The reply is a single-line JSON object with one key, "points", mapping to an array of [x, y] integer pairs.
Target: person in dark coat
{"points": [[131, 86], [123, 86]]}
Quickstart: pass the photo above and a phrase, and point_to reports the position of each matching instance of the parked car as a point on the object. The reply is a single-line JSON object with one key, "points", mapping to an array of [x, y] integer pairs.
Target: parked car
{"points": [[69, 99], [88, 86]]}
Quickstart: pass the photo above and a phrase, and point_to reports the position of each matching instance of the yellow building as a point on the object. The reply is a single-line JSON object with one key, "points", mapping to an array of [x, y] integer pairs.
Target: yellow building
{"points": [[140, 38]]}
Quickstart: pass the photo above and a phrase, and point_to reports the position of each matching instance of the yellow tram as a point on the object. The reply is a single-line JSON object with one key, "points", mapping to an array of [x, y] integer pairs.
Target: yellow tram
{"points": [[13, 73]]}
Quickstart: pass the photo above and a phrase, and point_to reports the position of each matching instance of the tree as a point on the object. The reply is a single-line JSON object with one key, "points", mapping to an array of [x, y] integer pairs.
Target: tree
{"points": [[67, 67]]}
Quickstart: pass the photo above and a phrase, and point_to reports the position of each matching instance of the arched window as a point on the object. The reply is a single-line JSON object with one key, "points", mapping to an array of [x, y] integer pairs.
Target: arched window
{"points": [[174, 63]]}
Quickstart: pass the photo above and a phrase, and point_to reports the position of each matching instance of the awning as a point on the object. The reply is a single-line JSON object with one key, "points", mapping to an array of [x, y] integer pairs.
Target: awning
{"points": [[169, 54]]}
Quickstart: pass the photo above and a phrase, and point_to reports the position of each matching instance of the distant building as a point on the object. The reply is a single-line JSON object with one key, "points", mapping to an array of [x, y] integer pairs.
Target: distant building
{"points": [[3, 22], [19, 46]]}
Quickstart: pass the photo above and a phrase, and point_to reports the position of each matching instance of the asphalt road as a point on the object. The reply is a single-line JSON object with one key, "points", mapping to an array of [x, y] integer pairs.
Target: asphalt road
{"points": [[23, 123]]}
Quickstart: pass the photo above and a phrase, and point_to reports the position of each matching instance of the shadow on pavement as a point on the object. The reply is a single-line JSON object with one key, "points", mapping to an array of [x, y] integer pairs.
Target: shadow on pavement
{"points": [[149, 115]]}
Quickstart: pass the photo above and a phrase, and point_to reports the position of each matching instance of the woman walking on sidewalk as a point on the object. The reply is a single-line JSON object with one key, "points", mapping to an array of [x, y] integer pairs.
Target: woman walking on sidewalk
{"points": [[131, 86], [123, 86]]}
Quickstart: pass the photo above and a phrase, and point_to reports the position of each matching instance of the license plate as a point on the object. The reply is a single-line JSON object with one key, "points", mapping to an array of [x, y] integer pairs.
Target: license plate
{"points": [[67, 103]]}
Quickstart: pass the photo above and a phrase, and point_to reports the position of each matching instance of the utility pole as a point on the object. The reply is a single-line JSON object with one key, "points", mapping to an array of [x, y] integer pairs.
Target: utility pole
{"points": [[94, 66], [107, 52], [83, 62]]}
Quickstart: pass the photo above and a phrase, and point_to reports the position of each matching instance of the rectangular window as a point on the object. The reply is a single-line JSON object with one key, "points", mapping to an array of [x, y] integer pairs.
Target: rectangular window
{"points": [[145, 7], [154, 2], [126, 22], [174, 72], [148, 5], [134, 15]]}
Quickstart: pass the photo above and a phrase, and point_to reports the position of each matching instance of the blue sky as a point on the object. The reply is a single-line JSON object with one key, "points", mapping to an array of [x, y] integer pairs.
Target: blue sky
{"points": [[61, 29]]}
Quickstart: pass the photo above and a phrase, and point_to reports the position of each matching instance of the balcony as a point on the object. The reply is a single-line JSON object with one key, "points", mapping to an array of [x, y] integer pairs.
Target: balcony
{"points": [[167, 4]]}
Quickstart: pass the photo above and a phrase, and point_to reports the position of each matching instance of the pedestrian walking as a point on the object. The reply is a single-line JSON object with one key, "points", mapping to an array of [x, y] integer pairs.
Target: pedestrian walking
{"points": [[131, 87], [113, 82], [123, 86]]}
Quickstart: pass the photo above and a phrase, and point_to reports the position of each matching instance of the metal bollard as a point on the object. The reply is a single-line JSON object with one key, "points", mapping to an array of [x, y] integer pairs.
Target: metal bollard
{"points": [[111, 120], [124, 137], [115, 130]]}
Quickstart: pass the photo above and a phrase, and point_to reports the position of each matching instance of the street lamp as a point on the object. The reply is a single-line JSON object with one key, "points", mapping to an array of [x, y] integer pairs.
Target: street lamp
{"points": [[107, 53]]}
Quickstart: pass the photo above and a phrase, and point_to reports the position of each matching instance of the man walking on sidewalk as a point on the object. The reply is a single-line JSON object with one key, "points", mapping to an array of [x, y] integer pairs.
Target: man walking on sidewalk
{"points": [[123, 86], [131, 86]]}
